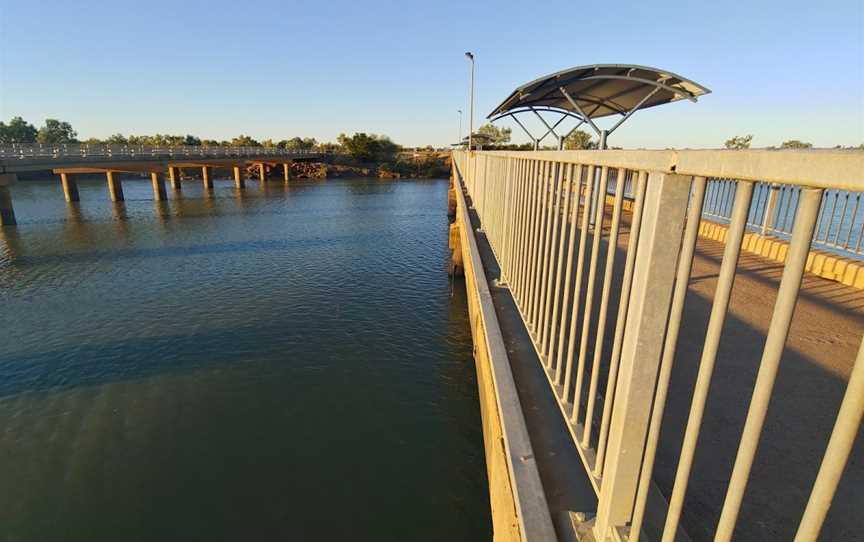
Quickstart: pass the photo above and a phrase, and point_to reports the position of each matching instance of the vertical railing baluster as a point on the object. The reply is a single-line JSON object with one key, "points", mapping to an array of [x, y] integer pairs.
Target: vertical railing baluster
{"points": [[604, 306], [566, 184], [621, 318], [577, 287], [709, 355], [599, 210], [778, 332], [843, 436]]}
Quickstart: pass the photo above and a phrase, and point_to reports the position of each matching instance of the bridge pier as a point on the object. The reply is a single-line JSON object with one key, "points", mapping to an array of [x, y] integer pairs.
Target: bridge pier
{"points": [[457, 267], [205, 175], [286, 169], [115, 188], [174, 177], [239, 182], [7, 213], [262, 172], [70, 187], [159, 193]]}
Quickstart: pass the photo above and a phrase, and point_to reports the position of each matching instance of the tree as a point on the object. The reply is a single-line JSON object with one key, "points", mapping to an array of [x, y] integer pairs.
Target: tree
{"points": [[117, 139], [192, 140], [369, 148], [795, 144], [244, 141], [579, 140], [56, 131], [17, 131], [329, 147], [497, 136], [296, 143], [739, 142]]}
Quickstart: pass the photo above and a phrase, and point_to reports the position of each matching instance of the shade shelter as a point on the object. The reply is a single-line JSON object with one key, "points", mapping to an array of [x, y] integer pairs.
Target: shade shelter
{"points": [[587, 93]]}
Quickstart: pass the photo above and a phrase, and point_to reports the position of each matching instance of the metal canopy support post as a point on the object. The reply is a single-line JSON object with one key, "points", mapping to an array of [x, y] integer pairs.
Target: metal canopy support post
{"points": [[579, 109], [550, 129], [635, 108], [530, 136]]}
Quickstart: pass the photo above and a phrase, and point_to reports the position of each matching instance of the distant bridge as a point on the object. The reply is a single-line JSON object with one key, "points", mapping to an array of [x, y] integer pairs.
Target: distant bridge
{"points": [[68, 159]]}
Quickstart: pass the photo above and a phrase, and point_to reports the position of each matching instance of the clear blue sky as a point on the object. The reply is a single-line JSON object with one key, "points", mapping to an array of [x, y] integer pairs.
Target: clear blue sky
{"points": [[779, 70]]}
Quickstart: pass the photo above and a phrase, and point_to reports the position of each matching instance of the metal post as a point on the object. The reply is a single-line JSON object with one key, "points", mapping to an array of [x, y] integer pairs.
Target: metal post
{"points": [[654, 275], [471, 103], [836, 455], [778, 332], [770, 205], [601, 145]]}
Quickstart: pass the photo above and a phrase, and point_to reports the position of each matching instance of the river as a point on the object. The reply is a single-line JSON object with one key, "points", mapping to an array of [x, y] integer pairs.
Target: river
{"points": [[287, 362]]}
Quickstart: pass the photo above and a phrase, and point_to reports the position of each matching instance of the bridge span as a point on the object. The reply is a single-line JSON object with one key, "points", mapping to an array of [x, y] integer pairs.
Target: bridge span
{"points": [[654, 365], [112, 160]]}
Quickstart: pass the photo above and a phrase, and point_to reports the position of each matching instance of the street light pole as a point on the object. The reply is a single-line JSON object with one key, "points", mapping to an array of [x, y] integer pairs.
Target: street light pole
{"points": [[471, 107], [459, 134]]}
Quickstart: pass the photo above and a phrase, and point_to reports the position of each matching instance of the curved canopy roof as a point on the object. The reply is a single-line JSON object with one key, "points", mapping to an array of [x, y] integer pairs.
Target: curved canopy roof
{"points": [[600, 90]]}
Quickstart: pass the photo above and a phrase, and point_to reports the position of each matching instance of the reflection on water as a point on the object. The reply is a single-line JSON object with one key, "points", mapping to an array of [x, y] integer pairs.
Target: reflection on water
{"points": [[287, 364]]}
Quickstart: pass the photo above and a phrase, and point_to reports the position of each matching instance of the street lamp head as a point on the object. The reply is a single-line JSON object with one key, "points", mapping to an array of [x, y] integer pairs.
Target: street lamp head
{"points": [[469, 55]]}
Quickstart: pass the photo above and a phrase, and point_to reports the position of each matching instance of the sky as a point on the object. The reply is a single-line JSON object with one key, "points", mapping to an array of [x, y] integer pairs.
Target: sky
{"points": [[270, 69]]}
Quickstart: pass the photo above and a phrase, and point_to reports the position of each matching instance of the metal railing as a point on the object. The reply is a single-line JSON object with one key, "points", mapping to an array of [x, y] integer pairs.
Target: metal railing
{"points": [[544, 216], [840, 225], [22, 151]]}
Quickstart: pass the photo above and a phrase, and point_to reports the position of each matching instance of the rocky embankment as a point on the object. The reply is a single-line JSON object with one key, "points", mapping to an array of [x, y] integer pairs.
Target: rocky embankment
{"points": [[318, 170]]}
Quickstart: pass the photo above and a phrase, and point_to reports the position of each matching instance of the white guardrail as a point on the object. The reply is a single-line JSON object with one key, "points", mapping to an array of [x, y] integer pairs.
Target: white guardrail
{"points": [[17, 151]]}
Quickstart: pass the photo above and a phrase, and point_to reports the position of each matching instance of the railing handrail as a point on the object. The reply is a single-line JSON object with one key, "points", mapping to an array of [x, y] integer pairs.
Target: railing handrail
{"points": [[23, 151], [817, 168]]}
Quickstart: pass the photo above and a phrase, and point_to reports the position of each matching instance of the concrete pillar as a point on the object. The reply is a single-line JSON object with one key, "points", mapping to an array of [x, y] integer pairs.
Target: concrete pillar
{"points": [[159, 193], [7, 213], [451, 201], [70, 187], [205, 174], [457, 267], [239, 182], [262, 172], [115, 189], [286, 169], [174, 177]]}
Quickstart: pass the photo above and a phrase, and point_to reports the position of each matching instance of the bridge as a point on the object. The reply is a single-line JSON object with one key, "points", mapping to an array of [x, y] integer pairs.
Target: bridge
{"points": [[66, 160], [615, 411]]}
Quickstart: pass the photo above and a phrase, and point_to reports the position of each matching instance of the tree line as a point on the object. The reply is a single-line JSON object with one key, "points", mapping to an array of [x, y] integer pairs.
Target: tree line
{"points": [[360, 146], [743, 142]]}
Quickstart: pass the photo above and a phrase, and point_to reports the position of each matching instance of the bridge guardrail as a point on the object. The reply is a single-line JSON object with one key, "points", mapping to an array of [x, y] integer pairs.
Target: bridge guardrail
{"points": [[20, 151], [535, 206]]}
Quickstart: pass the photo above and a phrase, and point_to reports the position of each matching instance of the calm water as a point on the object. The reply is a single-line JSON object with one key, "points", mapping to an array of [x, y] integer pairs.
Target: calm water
{"points": [[289, 364]]}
